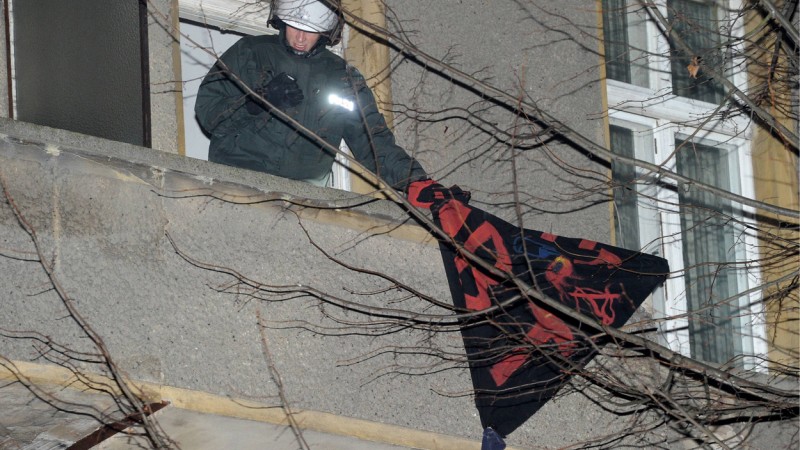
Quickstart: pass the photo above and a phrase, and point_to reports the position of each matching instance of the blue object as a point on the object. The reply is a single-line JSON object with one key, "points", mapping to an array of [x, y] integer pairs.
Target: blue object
{"points": [[492, 440]]}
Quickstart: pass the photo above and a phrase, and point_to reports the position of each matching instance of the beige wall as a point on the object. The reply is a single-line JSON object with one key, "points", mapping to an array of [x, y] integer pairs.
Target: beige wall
{"points": [[775, 168]]}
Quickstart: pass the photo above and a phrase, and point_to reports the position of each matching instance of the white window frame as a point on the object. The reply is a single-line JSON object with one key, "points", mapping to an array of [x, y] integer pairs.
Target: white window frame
{"points": [[243, 16], [657, 118], [657, 101], [661, 233]]}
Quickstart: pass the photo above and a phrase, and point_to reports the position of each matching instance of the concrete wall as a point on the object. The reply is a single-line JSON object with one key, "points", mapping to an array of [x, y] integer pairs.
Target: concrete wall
{"points": [[102, 210], [166, 108], [103, 221], [541, 52]]}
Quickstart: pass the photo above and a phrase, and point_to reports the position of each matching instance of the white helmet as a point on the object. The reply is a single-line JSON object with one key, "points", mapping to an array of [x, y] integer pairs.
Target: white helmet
{"points": [[307, 15]]}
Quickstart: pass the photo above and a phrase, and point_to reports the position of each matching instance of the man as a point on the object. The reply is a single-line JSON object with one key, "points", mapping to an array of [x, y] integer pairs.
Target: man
{"points": [[296, 74]]}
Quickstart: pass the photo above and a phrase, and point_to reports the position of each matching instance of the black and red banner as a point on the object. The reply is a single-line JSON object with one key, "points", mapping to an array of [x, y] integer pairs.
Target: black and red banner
{"points": [[523, 352]]}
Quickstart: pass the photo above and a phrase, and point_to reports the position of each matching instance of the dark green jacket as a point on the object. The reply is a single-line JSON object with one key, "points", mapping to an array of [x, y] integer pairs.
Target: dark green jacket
{"points": [[266, 143]]}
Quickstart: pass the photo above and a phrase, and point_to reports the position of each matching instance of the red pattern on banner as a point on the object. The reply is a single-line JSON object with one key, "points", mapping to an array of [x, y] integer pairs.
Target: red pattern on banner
{"points": [[547, 329], [487, 232], [452, 216], [559, 273], [548, 237], [601, 302], [502, 370], [604, 257]]}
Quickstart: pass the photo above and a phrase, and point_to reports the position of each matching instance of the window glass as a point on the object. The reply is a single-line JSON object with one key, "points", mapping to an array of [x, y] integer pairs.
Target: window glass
{"points": [[709, 252], [697, 25], [624, 31], [626, 213], [704, 236], [615, 30]]}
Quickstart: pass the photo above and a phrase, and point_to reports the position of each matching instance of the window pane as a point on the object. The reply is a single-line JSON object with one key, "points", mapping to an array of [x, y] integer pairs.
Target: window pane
{"points": [[626, 214], [709, 252], [697, 25], [615, 31], [625, 39]]}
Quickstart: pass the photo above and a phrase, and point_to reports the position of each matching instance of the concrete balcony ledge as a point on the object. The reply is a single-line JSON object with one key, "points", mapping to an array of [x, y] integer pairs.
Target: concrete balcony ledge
{"points": [[159, 168]]}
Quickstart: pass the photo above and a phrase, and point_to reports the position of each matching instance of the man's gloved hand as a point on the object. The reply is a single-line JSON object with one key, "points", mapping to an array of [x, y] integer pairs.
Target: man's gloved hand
{"points": [[283, 91], [424, 193]]}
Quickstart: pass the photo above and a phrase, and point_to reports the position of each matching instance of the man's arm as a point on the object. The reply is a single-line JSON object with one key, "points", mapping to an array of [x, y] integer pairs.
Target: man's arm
{"points": [[220, 98], [371, 141]]}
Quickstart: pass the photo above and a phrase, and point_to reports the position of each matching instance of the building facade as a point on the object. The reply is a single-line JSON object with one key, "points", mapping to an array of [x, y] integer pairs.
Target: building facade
{"points": [[192, 273]]}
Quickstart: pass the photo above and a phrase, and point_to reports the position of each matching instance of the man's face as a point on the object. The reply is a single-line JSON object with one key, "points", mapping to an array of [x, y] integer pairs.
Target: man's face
{"points": [[300, 40]]}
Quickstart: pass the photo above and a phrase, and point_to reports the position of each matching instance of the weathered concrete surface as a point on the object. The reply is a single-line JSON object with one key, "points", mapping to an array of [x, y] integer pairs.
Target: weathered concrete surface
{"points": [[103, 223], [541, 52], [166, 108], [104, 214]]}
